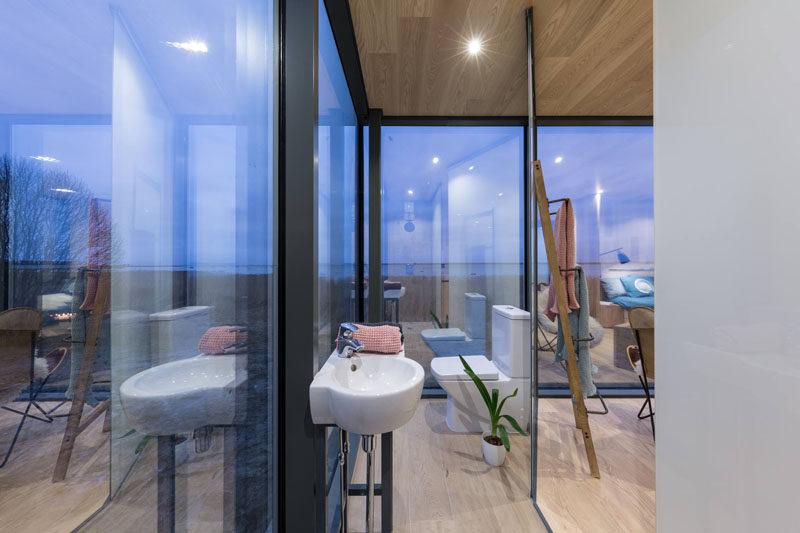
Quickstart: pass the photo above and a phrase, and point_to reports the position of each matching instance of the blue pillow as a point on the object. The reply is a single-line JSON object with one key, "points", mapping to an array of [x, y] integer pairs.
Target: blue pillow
{"points": [[612, 287], [637, 286]]}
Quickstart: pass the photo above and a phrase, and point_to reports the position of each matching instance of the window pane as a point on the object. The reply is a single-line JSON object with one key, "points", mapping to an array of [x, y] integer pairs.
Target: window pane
{"points": [[136, 169], [452, 233], [608, 174]]}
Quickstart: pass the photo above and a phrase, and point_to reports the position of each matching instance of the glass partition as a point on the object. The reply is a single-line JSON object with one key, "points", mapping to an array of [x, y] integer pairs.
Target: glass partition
{"points": [[136, 205], [607, 171], [452, 234]]}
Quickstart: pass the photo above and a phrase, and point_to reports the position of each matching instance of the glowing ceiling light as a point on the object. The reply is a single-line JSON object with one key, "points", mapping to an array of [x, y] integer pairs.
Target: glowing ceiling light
{"points": [[500, 194], [474, 46], [472, 167], [198, 47], [436, 160], [559, 159], [58, 189], [410, 192], [44, 158]]}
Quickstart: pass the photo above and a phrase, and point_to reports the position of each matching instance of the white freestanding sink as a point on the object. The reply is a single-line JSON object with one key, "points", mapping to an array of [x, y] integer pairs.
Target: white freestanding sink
{"points": [[183, 395], [367, 393]]}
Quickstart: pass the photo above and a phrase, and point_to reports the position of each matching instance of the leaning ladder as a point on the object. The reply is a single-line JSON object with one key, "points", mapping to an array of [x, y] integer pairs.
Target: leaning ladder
{"points": [[578, 405]]}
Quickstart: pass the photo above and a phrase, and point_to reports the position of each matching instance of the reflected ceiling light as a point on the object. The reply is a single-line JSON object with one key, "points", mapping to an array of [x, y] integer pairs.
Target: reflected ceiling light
{"points": [[559, 159], [410, 192], [472, 167], [436, 160], [474, 46], [198, 47], [44, 158], [58, 189]]}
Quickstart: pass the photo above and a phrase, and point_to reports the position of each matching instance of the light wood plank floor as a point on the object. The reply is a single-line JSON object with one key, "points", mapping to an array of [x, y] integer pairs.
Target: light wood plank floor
{"points": [[623, 499], [441, 483], [29, 500]]}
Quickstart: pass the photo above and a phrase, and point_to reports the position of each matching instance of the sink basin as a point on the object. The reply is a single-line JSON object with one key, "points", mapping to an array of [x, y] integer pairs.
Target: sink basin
{"points": [[183, 395], [367, 394]]}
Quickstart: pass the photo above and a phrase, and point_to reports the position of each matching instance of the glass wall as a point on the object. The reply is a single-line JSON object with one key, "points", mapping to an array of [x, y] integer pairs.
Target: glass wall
{"points": [[136, 205], [336, 209], [452, 234], [607, 171]]}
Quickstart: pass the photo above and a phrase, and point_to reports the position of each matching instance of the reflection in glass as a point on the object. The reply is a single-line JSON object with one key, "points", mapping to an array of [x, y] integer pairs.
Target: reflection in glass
{"points": [[452, 234], [136, 167]]}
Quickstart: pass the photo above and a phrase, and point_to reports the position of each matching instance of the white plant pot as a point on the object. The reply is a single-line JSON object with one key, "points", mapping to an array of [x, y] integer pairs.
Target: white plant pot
{"points": [[493, 455]]}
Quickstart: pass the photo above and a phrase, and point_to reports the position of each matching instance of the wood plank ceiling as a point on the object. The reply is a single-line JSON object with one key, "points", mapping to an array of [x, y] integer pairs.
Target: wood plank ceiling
{"points": [[592, 57]]}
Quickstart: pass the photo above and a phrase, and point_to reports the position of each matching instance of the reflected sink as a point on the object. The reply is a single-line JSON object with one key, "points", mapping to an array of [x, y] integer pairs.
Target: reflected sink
{"points": [[182, 395], [367, 394]]}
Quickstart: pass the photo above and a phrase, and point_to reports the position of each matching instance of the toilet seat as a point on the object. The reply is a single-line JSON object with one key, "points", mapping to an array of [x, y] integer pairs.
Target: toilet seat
{"points": [[451, 369]]}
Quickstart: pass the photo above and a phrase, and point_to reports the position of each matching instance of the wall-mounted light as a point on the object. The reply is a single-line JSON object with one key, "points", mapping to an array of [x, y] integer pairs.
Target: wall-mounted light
{"points": [[198, 47], [44, 158], [59, 189]]}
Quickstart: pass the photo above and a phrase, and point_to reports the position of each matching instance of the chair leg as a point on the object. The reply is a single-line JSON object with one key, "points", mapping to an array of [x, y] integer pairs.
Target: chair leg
{"points": [[647, 403], [25, 415]]}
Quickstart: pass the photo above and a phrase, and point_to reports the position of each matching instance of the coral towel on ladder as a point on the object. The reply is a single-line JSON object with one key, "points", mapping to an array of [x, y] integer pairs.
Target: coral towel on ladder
{"points": [[565, 250]]}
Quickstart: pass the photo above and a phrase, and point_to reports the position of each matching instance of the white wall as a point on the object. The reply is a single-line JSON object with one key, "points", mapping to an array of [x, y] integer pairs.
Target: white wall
{"points": [[727, 326]]}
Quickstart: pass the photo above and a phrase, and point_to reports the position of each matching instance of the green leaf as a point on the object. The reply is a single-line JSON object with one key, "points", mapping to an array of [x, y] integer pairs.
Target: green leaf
{"points": [[504, 437], [514, 424], [436, 321], [142, 444], [478, 383], [128, 434], [495, 397], [500, 409]]}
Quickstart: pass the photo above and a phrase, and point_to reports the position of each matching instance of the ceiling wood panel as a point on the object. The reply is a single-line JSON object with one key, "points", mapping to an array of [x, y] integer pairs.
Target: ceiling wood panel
{"points": [[592, 57]]}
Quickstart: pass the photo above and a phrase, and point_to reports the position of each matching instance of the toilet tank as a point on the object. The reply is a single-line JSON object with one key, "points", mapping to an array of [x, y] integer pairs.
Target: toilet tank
{"points": [[511, 341], [174, 334], [475, 315]]}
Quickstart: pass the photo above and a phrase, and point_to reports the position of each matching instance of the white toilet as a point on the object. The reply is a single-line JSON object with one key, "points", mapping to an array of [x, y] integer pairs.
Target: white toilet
{"points": [[174, 334], [509, 369]]}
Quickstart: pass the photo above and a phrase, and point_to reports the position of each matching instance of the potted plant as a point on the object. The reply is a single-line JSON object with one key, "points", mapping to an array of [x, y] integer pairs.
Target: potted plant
{"points": [[495, 442]]}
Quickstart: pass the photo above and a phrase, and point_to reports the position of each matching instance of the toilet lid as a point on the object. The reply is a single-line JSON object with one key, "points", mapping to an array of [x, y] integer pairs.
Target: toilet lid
{"points": [[443, 334], [451, 369]]}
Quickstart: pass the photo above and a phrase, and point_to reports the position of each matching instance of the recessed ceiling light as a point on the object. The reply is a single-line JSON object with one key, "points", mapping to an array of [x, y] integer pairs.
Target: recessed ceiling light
{"points": [[472, 167], [436, 160], [198, 47], [410, 192], [559, 159], [474, 46], [44, 158]]}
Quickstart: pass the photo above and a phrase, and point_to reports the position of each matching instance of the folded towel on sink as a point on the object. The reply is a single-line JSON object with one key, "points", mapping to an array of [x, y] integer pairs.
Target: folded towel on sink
{"points": [[223, 339], [382, 338]]}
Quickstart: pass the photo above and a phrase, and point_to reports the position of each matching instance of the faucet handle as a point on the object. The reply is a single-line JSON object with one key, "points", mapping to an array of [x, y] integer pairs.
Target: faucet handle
{"points": [[346, 329]]}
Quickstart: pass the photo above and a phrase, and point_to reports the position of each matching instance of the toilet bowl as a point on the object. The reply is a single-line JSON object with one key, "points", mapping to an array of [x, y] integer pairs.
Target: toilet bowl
{"points": [[509, 369]]}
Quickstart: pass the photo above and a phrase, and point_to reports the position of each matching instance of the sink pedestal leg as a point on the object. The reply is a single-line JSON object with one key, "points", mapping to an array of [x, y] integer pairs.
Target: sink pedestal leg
{"points": [[344, 485], [368, 443], [166, 484]]}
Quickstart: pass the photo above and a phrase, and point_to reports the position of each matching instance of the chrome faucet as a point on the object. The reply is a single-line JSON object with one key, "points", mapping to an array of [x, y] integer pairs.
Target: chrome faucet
{"points": [[346, 344]]}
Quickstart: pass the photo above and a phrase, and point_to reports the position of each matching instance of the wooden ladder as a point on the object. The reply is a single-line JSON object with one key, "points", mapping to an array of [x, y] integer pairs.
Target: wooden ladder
{"points": [[578, 404], [76, 423]]}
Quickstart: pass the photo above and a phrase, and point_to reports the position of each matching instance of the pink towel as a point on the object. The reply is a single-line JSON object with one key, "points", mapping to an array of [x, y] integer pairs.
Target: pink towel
{"points": [[221, 338], [99, 252], [379, 339], [565, 250]]}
